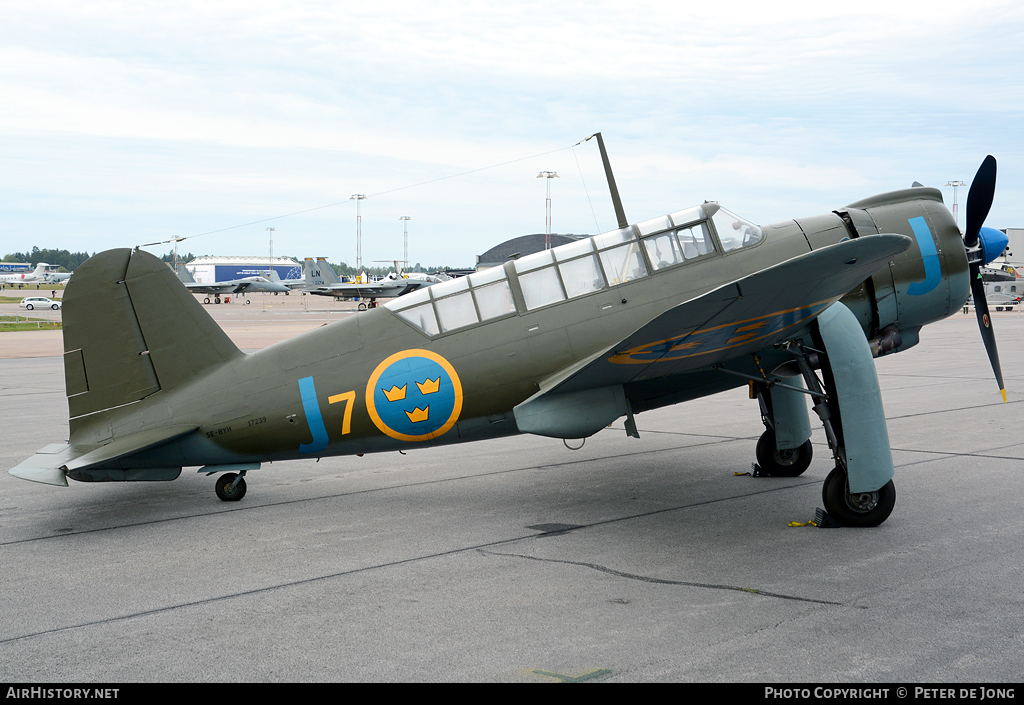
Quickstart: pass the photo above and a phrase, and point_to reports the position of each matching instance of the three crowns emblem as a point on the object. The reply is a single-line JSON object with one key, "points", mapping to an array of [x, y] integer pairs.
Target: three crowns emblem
{"points": [[428, 386]]}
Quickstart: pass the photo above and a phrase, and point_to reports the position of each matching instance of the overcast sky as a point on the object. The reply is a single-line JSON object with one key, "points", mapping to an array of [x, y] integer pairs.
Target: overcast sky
{"points": [[129, 123]]}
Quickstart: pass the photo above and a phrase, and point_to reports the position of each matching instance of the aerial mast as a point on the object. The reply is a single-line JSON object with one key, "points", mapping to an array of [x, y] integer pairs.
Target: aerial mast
{"points": [[620, 214]]}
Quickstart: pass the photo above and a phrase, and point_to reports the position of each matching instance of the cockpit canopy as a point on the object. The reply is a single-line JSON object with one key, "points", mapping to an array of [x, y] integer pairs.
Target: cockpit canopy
{"points": [[578, 268], [734, 231]]}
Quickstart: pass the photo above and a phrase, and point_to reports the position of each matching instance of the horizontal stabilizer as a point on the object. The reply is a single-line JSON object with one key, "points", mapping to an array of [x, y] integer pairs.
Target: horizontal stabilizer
{"points": [[44, 466], [50, 465], [129, 445]]}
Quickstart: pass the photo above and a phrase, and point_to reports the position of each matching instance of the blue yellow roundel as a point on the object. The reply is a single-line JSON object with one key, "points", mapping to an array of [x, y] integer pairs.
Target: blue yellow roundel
{"points": [[414, 395]]}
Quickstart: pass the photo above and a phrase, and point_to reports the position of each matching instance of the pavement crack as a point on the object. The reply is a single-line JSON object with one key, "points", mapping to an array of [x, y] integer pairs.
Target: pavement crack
{"points": [[662, 581]]}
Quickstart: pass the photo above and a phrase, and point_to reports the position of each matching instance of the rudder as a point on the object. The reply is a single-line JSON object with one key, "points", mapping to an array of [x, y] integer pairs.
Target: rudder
{"points": [[130, 330]]}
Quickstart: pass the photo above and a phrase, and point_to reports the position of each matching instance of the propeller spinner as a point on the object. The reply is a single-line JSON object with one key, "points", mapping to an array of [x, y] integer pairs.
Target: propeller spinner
{"points": [[983, 245]]}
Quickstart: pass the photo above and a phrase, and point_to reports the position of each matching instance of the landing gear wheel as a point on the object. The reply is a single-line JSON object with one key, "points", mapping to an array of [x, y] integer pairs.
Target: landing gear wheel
{"points": [[362, 306], [206, 300], [782, 463], [858, 509], [228, 493]]}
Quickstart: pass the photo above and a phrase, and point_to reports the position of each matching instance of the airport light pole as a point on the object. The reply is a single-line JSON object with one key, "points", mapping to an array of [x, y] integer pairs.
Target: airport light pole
{"points": [[271, 268], [357, 197], [955, 185], [405, 226], [548, 175], [177, 239]]}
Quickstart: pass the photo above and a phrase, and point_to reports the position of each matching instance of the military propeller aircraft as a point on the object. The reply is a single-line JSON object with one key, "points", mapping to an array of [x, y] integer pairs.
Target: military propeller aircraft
{"points": [[559, 343], [235, 286]]}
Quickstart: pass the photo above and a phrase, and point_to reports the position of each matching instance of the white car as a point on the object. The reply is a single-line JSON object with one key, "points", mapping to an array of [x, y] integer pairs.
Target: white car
{"points": [[33, 302]]}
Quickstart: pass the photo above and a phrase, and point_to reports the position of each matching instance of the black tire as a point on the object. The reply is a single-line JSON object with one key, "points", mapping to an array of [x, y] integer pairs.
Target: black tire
{"points": [[28, 307], [55, 307], [866, 509], [206, 300], [362, 306], [782, 463], [228, 493]]}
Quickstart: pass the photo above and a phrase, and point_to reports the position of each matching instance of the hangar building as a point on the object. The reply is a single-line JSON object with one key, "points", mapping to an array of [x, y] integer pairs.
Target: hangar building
{"points": [[207, 270], [520, 247]]}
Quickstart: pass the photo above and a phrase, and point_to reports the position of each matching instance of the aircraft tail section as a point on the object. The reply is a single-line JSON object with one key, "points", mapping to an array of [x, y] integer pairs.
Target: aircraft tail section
{"points": [[184, 275], [319, 273], [130, 330], [327, 271]]}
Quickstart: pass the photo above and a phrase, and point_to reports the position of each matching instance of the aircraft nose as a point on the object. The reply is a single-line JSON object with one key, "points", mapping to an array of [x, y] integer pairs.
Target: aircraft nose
{"points": [[993, 242]]}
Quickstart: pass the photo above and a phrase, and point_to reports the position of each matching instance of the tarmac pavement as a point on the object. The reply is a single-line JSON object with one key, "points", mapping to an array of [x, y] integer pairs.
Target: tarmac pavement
{"points": [[518, 560]]}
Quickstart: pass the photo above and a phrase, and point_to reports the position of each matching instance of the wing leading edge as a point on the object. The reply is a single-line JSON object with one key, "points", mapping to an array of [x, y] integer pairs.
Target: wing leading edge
{"points": [[733, 320]]}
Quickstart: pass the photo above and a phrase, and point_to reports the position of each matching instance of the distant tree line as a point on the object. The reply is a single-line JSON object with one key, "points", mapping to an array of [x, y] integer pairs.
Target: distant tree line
{"points": [[67, 261], [169, 257], [349, 270]]}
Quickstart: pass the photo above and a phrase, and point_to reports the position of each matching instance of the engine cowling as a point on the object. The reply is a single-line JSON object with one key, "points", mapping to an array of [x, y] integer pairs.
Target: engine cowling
{"points": [[926, 283]]}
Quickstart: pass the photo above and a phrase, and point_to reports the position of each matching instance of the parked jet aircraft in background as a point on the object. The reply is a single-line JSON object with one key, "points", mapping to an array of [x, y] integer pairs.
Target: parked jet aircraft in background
{"points": [[247, 285], [292, 284], [559, 343], [57, 277], [324, 281], [1003, 287], [36, 276]]}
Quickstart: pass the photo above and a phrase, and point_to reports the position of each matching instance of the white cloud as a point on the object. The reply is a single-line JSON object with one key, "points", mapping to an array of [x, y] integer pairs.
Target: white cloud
{"points": [[181, 118]]}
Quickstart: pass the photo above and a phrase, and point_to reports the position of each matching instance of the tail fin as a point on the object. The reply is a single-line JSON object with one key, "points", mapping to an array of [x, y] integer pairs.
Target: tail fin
{"points": [[184, 275], [130, 330], [319, 274], [327, 271]]}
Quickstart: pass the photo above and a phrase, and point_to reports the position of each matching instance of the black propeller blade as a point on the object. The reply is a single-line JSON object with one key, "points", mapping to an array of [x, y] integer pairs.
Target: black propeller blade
{"points": [[979, 199], [985, 325], [979, 202]]}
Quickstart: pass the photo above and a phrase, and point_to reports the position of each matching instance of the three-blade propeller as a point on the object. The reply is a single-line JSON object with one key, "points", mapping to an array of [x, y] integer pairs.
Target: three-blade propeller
{"points": [[979, 201]]}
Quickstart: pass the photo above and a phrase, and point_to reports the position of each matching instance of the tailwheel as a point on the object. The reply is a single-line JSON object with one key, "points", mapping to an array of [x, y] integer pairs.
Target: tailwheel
{"points": [[860, 508], [230, 489], [781, 463]]}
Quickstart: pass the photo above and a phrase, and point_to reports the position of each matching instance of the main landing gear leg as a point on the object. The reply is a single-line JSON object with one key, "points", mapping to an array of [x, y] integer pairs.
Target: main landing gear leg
{"points": [[859, 491], [784, 449]]}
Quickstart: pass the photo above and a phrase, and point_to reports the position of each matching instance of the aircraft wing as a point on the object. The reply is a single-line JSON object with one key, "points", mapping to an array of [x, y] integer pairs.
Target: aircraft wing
{"points": [[735, 319], [217, 288], [356, 289]]}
